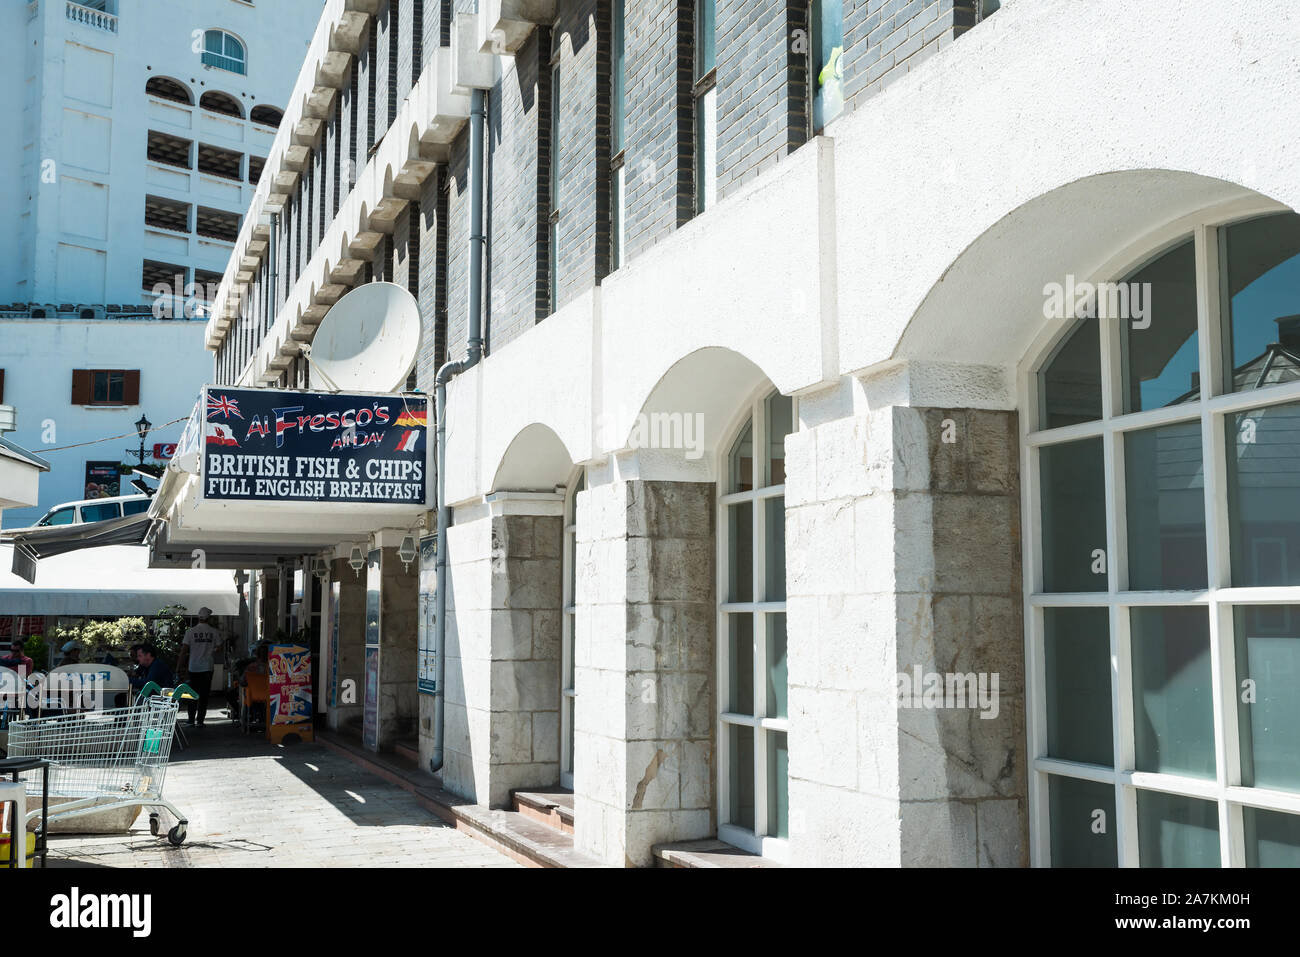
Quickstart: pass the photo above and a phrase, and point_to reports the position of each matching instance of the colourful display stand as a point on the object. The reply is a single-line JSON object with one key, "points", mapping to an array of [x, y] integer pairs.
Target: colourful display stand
{"points": [[289, 710]]}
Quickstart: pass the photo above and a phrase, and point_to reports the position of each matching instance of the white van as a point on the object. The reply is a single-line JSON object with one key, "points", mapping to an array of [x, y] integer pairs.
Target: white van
{"points": [[95, 510]]}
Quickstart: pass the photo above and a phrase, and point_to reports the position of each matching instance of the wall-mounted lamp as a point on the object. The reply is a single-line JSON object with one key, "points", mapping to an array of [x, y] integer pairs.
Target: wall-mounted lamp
{"points": [[407, 551], [357, 560]]}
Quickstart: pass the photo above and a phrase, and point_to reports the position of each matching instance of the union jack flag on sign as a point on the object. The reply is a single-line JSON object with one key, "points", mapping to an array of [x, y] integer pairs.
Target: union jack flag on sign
{"points": [[224, 405]]}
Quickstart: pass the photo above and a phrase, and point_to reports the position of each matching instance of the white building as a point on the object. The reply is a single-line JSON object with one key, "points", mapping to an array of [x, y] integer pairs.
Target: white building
{"points": [[907, 467], [137, 130], [20, 473]]}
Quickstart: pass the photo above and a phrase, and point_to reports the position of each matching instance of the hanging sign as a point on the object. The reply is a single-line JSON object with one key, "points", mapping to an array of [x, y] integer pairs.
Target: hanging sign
{"points": [[266, 445]]}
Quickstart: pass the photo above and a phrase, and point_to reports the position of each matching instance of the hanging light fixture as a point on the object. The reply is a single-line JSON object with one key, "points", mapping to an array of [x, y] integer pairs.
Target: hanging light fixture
{"points": [[407, 551], [357, 560]]}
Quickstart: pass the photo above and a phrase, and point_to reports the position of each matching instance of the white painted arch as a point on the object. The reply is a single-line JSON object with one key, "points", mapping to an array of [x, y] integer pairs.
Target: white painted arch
{"points": [[1052, 112]]}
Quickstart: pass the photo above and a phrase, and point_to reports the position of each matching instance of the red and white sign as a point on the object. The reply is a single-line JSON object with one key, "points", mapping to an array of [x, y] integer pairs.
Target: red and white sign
{"points": [[164, 450]]}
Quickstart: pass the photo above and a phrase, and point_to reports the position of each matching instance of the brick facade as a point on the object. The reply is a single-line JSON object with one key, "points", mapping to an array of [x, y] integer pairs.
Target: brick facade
{"points": [[762, 115], [884, 39], [659, 180]]}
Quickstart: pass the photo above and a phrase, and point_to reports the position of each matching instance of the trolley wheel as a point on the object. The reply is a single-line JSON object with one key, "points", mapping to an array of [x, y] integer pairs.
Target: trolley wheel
{"points": [[176, 836], [154, 826]]}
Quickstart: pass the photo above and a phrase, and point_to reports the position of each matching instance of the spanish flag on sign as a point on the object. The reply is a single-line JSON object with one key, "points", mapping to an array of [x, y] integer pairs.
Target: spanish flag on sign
{"points": [[411, 419]]}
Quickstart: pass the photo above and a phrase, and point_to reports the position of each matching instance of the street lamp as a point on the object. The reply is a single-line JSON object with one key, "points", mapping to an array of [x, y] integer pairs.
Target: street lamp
{"points": [[142, 427]]}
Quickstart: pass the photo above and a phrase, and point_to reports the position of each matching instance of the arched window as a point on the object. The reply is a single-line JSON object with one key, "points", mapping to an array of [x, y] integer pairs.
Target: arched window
{"points": [[169, 89], [1163, 558], [214, 101], [753, 793], [267, 115], [224, 51]]}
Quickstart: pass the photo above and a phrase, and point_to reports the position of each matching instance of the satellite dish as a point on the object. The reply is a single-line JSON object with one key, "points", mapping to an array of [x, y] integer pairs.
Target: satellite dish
{"points": [[369, 340]]}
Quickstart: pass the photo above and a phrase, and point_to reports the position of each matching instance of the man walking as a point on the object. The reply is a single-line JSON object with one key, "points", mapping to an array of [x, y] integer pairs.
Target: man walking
{"points": [[198, 649]]}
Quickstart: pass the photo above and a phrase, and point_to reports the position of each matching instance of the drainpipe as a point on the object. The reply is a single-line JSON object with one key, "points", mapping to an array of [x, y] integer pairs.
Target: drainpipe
{"points": [[474, 352]]}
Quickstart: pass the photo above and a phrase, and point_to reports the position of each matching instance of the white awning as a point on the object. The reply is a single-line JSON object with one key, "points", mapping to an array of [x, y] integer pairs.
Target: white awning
{"points": [[112, 580]]}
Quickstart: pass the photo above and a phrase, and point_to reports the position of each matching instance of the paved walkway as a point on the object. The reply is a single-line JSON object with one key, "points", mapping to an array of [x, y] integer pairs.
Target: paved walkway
{"points": [[253, 805]]}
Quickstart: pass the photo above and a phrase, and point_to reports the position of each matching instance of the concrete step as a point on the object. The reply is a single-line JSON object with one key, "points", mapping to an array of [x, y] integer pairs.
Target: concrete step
{"points": [[525, 839], [550, 806], [709, 852]]}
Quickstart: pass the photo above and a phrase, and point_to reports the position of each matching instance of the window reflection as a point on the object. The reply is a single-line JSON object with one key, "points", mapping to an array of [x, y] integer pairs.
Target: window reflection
{"points": [[1161, 361], [1073, 516], [1261, 301], [1264, 495], [1268, 667], [1069, 387], [1173, 716], [1165, 490]]}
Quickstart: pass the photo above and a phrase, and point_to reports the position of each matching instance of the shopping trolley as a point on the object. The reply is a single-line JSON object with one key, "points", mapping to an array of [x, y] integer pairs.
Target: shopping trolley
{"points": [[104, 759]]}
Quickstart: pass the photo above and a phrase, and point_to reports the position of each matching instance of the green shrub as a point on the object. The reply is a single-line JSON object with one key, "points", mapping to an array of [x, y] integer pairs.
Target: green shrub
{"points": [[36, 649]]}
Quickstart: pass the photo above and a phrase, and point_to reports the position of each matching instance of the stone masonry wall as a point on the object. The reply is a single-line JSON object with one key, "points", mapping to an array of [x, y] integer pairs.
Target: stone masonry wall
{"points": [[502, 657], [933, 530], [644, 661], [350, 664], [525, 648], [398, 603]]}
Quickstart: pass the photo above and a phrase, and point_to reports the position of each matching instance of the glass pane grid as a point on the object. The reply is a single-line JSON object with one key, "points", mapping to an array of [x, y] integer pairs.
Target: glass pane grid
{"points": [[1191, 747], [751, 668]]}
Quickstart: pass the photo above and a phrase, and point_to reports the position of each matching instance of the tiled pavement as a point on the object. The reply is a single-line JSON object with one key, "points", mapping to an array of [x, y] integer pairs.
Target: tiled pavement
{"points": [[253, 805]]}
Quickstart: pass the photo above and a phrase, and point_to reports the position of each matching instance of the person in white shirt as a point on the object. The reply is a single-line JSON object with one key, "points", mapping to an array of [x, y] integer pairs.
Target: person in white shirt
{"points": [[198, 651]]}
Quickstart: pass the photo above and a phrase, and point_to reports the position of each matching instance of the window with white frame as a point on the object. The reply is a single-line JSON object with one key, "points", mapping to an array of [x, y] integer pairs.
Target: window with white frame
{"points": [[567, 692], [1163, 558], [224, 51], [753, 794]]}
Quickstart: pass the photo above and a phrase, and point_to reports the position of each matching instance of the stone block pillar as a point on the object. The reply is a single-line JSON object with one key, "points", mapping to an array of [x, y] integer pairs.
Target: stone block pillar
{"points": [[270, 603], [644, 668], [903, 559], [502, 708], [350, 663], [398, 637]]}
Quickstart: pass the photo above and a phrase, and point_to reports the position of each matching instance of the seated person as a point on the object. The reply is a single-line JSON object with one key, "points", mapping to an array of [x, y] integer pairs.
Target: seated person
{"points": [[17, 659], [150, 668], [258, 666]]}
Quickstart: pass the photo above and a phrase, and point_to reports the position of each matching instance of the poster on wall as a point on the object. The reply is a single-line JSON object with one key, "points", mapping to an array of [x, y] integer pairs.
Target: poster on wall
{"points": [[426, 675], [333, 632], [289, 691], [269, 445], [102, 480], [370, 723]]}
